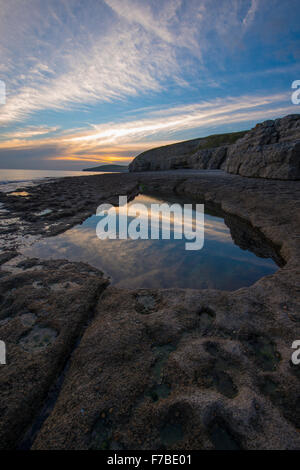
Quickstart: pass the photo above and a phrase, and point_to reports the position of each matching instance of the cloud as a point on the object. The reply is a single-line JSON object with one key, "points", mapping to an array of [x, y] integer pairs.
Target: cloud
{"points": [[125, 66], [165, 20], [29, 132], [248, 19], [90, 68], [115, 70], [121, 140], [63, 56], [67, 66], [168, 122]]}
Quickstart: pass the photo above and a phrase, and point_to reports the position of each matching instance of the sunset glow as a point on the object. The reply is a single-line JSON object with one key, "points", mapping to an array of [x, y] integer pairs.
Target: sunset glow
{"points": [[104, 81]]}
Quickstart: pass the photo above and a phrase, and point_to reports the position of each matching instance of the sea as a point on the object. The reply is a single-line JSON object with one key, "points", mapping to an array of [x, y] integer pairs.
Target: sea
{"points": [[10, 180]]}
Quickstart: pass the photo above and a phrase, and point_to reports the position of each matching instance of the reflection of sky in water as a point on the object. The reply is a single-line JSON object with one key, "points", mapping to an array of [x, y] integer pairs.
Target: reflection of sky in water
{"points": [[159, 263]]}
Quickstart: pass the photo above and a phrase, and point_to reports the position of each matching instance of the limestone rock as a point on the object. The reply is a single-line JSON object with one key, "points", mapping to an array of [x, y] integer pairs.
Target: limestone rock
{"points": [[209, 159], [270, 150], [202, 159], [166, 157], [202, 370], [203, 153], [40, 326]]}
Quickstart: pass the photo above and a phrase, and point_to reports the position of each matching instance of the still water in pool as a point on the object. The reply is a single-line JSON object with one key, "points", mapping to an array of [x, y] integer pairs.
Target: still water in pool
{"points": [[220, 264]]}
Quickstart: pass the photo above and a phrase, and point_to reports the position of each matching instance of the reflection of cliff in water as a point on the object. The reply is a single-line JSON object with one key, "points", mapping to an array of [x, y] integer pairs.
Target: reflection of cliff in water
{"points": [[244, 235], [248, 238]]}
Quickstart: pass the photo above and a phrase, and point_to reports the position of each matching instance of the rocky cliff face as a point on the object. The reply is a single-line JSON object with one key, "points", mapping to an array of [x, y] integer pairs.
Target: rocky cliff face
{"points": [[209, 159], [204, 153], [270, 150], [166, 158]]}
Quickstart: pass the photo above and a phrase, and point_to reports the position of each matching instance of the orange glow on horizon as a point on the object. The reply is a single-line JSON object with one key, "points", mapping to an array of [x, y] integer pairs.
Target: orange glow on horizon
{"points": [[100, 153], [93, 158]]}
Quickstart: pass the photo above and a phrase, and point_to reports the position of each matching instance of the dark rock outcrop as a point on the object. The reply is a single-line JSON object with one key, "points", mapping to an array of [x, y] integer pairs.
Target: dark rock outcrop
{"points": [[270, 150], [166, 157], [204, 153], [209, 159]]}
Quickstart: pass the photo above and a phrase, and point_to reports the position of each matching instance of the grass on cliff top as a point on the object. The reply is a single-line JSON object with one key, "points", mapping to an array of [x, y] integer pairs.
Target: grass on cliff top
{"points": [[217, 140], [211, 141]]}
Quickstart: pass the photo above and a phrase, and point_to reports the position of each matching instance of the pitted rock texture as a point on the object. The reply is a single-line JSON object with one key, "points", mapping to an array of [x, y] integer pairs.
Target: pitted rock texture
{"points": [[184, 369], [40, 327], [270, 150], [202, 370]]}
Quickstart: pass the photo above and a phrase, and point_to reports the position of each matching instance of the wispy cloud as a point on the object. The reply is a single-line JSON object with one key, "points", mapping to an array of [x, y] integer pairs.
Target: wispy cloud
{"points": [[195, 116], [142, 72], [251, 13], [112, 62], [29, 132], [106, 72], [122, 140], [167, 21], [62, 55]]}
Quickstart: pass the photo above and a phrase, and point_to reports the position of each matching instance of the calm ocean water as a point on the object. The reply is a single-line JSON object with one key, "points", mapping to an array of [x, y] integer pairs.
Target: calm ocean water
{"points": [[13, 179]]}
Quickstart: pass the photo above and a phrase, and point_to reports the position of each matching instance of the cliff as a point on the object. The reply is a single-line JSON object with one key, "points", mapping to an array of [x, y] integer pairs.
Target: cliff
{"points": [[108, 168], [203, 153], [270, 150]]}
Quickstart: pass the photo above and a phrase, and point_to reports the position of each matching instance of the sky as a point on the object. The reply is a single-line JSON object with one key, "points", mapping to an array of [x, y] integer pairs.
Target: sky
{"points": [[91, 82]]}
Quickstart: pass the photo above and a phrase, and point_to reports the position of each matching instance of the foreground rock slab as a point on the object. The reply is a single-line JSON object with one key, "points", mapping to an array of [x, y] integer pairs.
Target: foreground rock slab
{"points": [[179, 369], [44, 307]]}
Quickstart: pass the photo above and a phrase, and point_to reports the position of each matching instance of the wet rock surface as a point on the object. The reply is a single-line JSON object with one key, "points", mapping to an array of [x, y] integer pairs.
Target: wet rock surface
{"points": [[150, 369], [53, 207]]}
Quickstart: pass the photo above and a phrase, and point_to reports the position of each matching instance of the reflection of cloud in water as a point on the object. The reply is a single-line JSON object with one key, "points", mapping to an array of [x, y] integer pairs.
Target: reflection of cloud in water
{"points": [[217, 230], [213, 228], [159, 263]]}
